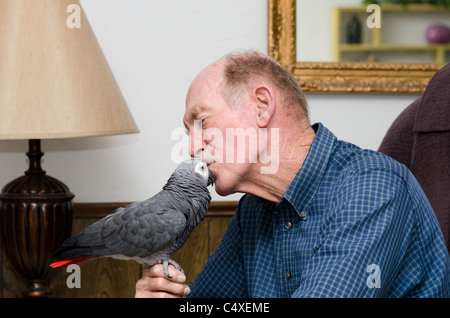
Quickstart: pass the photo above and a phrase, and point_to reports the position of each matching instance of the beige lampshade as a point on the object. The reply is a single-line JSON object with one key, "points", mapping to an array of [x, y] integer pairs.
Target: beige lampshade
{"points": [[54, 79]]}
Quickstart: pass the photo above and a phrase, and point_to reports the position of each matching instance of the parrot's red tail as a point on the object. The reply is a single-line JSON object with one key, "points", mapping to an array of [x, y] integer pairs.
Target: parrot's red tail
{"points": [[68, 262]]}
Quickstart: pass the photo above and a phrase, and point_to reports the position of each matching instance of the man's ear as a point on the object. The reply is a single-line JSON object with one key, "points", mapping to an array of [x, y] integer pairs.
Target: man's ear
{"points": [[265, 105]]}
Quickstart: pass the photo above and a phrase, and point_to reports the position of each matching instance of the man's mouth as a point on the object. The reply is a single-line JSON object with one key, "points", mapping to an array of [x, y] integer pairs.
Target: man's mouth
{"points": [[209, 160]]}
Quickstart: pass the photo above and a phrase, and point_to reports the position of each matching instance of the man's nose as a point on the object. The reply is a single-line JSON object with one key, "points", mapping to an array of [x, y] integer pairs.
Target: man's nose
{"points": [[196, 144]]}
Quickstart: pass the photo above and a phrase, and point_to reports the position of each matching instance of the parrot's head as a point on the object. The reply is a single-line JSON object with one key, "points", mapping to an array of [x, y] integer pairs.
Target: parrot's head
{"points": [[198, 170]]}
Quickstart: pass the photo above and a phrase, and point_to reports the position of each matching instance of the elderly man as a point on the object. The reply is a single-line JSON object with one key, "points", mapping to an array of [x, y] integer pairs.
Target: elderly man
{"points": [[333, 220]]}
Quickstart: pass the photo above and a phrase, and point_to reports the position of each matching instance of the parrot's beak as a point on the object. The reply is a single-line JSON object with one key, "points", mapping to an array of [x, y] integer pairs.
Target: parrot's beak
{"points": [[211, 178]]}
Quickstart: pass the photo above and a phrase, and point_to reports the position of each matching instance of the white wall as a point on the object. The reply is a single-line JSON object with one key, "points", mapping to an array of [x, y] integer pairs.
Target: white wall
{"points": [[155, 48]]}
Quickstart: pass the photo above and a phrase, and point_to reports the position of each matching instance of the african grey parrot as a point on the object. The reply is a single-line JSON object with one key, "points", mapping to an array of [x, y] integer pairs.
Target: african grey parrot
{"points": [[149, 231]]}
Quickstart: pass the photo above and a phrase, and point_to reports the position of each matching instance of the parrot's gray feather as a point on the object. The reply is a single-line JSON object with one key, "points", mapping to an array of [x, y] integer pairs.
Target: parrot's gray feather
{"points": [[150, 230], [141, 234]]}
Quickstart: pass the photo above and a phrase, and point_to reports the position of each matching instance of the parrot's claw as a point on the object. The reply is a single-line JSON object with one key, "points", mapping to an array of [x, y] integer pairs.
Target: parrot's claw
{"points": [[166, 263]]}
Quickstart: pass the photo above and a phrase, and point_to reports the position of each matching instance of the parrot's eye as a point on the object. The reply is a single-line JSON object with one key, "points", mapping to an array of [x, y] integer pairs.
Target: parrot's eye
{"points": [[202, 170]]}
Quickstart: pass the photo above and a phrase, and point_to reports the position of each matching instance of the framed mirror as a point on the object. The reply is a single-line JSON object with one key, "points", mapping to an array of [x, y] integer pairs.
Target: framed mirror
{"points": [[339, 77]]}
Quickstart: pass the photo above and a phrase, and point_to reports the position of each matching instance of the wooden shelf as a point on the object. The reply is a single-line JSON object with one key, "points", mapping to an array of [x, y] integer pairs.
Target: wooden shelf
{"points": [[391, 47], [374, 45], [397, 8]]}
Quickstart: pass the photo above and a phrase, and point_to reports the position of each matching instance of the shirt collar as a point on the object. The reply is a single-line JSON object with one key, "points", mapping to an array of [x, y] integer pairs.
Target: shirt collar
{"points": [[305, 184]]}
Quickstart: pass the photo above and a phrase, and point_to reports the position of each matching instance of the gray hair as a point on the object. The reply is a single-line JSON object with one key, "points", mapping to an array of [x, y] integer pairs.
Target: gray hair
{"points": [[240, 68]]}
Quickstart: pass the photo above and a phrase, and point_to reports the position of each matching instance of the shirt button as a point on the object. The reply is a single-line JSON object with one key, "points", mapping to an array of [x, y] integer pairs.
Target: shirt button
{"points": [[288, 225], [288, 275], [303, 215]]}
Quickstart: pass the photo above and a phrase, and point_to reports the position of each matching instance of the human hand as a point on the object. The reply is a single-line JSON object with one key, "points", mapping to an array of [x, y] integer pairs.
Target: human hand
{"points": [[154, 284]]}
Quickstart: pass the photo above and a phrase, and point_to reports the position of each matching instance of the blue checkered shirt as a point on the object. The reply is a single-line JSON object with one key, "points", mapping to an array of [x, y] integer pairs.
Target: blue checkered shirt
{"points": [[353, 223]]}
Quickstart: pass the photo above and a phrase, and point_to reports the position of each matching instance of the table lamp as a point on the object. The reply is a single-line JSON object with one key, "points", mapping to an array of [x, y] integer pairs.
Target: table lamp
{"points": [[54, 83]]}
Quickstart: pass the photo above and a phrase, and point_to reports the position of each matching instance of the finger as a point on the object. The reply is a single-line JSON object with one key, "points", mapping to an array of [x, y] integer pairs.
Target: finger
{"points": [[162, 284], [154, 283], [157, 286], [158, 271]]}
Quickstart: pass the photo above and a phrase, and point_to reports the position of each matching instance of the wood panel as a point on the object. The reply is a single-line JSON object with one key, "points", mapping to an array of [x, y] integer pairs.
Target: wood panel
{"points": [[105, 277]]}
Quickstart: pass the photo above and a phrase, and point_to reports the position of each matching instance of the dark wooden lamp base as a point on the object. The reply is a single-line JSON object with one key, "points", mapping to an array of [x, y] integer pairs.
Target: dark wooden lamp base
{"points": [[35, 218]]}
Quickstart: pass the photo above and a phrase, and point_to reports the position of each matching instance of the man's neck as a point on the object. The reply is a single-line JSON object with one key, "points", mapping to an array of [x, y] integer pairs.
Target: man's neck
{"points": [[292, 154]]}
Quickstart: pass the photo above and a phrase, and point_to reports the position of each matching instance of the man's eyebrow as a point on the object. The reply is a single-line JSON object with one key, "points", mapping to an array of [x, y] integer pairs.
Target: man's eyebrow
{"points": [[193, 113]]}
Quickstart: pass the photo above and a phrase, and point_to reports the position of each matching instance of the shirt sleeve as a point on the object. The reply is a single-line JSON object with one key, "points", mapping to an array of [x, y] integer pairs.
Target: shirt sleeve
{"points": [[223, 274], [363, 240]]}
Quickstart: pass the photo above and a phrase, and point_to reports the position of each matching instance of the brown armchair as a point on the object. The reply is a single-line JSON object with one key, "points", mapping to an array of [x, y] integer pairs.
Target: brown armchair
{"points": [[420, 139]]}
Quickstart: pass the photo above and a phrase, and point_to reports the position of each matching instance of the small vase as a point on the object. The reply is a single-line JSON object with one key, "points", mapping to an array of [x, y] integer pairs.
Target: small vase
{"points": [[353, 31], [438, 34]]}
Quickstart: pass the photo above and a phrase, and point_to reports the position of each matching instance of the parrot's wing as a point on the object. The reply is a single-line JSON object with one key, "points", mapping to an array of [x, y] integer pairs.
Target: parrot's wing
{"points": [[142, 229]]}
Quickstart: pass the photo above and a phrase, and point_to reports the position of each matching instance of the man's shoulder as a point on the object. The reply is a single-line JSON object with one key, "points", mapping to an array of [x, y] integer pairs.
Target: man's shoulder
{"points": [[359, 172], [353, 160]]}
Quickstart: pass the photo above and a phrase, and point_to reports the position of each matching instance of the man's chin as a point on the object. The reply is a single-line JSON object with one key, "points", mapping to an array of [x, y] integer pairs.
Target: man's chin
{"points": [[226, 179], [222, 189]]}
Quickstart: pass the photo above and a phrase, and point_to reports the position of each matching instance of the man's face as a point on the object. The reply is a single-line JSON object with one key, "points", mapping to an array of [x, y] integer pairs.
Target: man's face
{"points": [[210, 122]]}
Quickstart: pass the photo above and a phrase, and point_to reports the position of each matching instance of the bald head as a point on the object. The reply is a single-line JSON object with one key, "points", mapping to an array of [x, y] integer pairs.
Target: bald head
{"points": [[235, 71]]}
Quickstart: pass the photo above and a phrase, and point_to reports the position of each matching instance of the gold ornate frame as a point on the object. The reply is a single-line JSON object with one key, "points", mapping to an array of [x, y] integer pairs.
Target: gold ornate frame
{"points": [[336, 77]]}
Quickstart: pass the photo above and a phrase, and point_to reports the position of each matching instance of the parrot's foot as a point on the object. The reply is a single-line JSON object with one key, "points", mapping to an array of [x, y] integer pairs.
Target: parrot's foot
{"points": [[166, 263]]}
